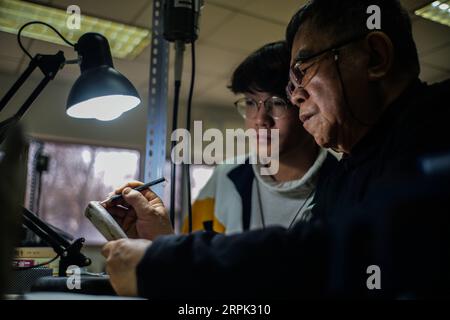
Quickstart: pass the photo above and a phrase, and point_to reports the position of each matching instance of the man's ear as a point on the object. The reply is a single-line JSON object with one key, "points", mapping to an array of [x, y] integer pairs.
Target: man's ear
{"points": [[381, 55]]}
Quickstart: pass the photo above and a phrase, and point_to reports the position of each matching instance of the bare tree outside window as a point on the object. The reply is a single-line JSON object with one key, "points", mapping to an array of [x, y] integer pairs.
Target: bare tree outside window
{"points": [[76, 175]]}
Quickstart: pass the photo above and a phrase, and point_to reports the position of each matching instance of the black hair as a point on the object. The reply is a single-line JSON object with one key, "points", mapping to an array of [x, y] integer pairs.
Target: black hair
{"points": [[265, 70], [344, 19]]}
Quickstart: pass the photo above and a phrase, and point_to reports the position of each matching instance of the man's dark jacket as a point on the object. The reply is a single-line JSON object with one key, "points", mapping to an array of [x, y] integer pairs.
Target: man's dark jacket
{"points": [[375, 208]]}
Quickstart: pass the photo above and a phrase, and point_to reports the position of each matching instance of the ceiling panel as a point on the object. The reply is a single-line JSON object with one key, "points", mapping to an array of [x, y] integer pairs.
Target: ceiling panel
{"points": [[43, 2], [281, 10], [117, 10], [244, 34], [215, 61], [10, 46], [212, 18], [431, 74], [412, 5], [135, 72], [217, 93], [231, 4], [8, 64], [144, 56], [429, 35], [42, 47], [144, 17], [210, 61], [440, 58], [203, 84]]}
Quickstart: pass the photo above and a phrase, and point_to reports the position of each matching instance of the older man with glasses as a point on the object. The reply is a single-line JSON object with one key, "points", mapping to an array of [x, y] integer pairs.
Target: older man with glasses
{"points": [[358, 92]]}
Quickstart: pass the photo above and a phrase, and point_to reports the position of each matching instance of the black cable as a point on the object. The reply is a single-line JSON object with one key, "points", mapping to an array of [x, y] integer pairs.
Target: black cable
{"points": [[186, 166], [188, 127], [188, 117], [174, 166], [301, 208], [19, 39], [36, 266]]}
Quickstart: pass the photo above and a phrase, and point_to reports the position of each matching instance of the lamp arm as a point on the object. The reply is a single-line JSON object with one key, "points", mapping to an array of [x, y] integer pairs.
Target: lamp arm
{"points": [[69, 252], [49, 65], [16, 86], [44, 231]]}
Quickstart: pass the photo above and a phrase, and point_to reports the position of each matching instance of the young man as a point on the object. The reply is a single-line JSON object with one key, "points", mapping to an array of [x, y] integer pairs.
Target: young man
{"points": [[238, 197]]}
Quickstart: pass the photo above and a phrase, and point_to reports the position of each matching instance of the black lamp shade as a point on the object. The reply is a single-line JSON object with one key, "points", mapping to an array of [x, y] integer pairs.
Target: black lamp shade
{"points": [[100, 92]]}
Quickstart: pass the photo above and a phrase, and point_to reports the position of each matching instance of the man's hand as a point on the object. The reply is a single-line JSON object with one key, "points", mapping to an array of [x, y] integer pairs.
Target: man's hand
{"points": [[122, 257], [141, 214]]}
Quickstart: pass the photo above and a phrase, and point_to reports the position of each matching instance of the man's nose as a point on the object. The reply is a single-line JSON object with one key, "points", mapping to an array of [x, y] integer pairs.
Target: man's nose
{"points": [[263, 119], [298, 96]]}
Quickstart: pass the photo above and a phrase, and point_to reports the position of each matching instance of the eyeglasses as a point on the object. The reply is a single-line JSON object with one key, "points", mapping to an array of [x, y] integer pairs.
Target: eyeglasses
{"points": [[275, 107], [304, 69]]}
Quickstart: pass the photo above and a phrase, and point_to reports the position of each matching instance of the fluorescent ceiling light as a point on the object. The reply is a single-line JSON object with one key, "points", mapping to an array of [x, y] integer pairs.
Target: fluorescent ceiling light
{"points": [[437, 11], [125, 41]]}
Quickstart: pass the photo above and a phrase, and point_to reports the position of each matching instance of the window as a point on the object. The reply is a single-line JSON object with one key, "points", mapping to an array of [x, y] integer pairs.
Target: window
{"points": [[76, 174]]}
